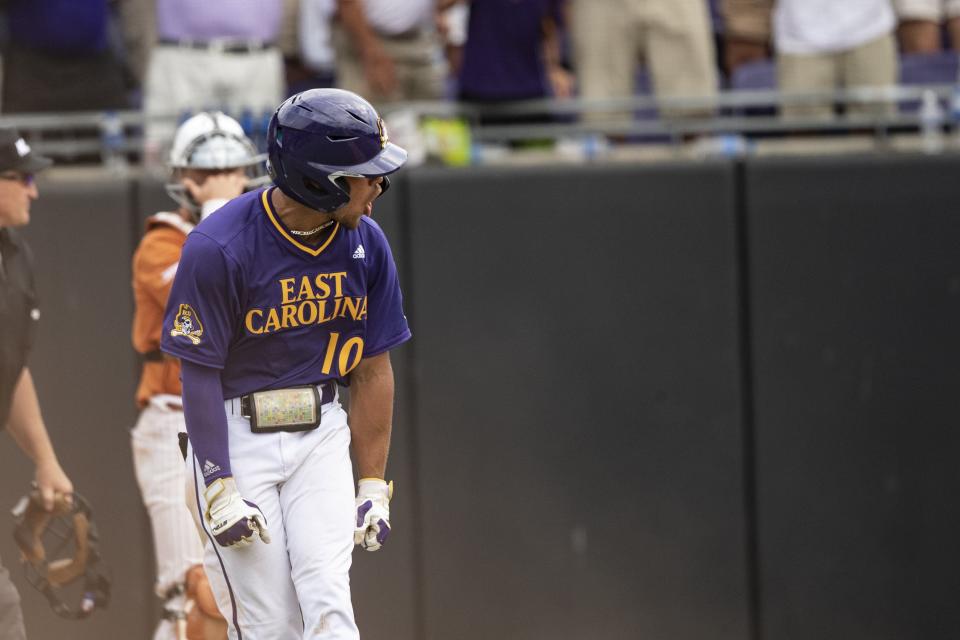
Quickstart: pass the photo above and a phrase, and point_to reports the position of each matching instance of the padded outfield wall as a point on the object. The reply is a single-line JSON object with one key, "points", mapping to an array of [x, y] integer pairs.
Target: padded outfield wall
{"points": [[683, 401]]}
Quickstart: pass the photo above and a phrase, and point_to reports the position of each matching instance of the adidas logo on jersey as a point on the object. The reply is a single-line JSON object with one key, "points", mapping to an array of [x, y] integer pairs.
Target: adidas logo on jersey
{"points": [[359, 254], [209, 468]]}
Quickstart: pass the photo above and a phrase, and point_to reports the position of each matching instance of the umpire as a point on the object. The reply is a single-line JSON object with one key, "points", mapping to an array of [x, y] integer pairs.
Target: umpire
{"points": [[19, 409]]}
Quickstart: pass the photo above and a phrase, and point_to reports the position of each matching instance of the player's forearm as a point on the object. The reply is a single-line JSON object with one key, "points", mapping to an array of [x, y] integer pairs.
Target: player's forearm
{"points": [[747, 19], [354, 20], [206, 419], [26, 423], [551, 43], [371, 415]]}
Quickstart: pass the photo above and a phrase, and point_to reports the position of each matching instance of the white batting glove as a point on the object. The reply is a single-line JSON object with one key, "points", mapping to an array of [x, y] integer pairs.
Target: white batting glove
{"points": [[232, 520], [373, 513]]}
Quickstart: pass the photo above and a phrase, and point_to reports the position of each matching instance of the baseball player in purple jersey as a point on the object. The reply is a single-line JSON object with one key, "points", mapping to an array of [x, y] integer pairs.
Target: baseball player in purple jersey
{"points": [[282, 296]]}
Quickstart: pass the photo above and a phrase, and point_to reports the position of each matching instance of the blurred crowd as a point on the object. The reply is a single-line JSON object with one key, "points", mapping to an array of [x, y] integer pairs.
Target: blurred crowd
{"points": [[181, 56]]}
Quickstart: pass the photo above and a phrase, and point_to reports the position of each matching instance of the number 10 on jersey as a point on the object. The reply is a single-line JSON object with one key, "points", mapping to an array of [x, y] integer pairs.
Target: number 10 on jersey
{"points": [[349, 354]]}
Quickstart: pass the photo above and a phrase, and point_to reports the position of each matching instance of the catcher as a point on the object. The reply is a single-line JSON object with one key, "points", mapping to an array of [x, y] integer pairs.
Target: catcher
{"points": [[19, 315], [211, 162]]}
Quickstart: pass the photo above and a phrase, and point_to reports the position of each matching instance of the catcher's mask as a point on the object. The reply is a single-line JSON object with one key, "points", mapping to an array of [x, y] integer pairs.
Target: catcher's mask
{"points": [[60, 553], [212, 141]]}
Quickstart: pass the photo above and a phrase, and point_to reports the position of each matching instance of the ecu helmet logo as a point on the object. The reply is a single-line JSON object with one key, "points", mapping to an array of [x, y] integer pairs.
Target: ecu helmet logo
{"points": [[187, 324], [384, 138]]}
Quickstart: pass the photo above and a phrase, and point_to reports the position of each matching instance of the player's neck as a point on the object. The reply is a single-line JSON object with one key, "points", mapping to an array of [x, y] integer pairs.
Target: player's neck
{"points": [[295, 215]]}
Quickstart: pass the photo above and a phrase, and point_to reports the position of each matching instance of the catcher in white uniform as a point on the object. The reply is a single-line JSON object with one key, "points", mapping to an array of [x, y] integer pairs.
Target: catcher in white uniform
{"points": [[211, 161]]}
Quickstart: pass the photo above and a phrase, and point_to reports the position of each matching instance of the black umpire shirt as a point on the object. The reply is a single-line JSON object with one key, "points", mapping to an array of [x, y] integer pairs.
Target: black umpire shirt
{"points": [[18, 314]]}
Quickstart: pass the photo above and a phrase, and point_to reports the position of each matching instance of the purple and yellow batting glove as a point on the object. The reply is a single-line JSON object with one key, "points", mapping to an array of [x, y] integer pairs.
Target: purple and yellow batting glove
{"points": [[232, 520], [373, 513]]}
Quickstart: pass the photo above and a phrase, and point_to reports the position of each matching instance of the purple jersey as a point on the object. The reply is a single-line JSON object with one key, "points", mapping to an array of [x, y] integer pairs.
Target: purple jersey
{"points": [[271, 312]]}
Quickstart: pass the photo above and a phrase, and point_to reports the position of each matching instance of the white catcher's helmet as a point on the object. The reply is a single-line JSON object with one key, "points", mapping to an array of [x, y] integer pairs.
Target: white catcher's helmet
{"points": [[212, 140]]}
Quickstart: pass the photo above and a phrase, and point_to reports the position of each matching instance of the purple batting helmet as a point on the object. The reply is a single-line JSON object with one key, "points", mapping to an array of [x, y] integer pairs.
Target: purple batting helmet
{"points": [[318, 136]]}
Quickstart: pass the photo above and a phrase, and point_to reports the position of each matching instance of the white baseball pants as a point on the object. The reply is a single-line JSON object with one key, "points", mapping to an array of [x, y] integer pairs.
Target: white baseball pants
{"points": [[298, 586], [160, 473]]}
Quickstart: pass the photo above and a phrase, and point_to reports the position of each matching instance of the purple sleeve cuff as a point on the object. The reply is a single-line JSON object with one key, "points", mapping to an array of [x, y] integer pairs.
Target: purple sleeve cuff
{"points": [[206, 419], [390, 344]]}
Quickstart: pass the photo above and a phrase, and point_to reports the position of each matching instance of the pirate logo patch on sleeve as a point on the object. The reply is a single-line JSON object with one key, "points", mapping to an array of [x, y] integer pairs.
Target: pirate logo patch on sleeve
{"points": [[187, 324]]}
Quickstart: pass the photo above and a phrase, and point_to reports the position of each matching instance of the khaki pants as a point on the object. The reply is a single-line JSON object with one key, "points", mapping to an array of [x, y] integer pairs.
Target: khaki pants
{"points": [[873, 64], [672, 37], [184, 79], [418, 62]]}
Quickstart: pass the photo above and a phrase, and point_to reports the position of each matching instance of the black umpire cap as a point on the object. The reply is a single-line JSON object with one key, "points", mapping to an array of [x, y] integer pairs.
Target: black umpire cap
{"points": [[16, 155]]}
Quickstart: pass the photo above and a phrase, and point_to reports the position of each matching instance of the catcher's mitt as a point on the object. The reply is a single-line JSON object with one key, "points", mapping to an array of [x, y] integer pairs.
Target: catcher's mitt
{"points": [[59, 548]]}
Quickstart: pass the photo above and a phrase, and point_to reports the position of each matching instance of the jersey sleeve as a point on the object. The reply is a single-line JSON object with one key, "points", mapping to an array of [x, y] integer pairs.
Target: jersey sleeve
{"points": [[386, 323], [155, 264], [203, 306]]}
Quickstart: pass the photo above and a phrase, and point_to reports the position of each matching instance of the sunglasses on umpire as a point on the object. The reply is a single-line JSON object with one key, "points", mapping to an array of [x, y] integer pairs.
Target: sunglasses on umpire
{"points": [[26, 179]]}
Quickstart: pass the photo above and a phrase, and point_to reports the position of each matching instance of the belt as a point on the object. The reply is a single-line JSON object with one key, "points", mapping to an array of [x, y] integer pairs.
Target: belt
{"points": [[241, 406], [409, 34], [221, 45]]}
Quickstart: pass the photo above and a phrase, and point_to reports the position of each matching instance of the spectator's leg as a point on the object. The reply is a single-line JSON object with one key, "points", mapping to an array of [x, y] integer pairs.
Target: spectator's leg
{"points": [[159, 99], [874, 65], [680, 54], [919, 30], [605, 40], [420, 65], [808, 74], [138, 26], [261, 97], [350, 73], [178, 79]]}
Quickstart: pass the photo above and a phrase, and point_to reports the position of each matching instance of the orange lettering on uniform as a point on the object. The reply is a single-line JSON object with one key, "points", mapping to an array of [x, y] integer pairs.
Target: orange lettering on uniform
{"points": [[289, 316], [339, 276], [352, 305], [345, 354], [322, 310], [273, 321], [286, 287], [249, 321], [322, 286], [306, 291], [307, 313], [331, 349]]}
